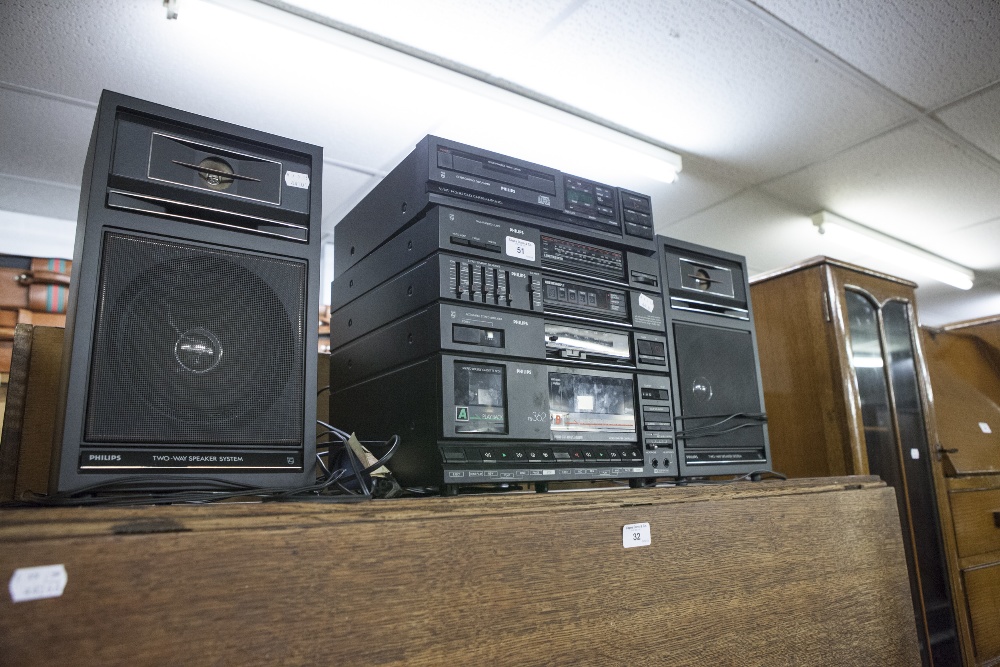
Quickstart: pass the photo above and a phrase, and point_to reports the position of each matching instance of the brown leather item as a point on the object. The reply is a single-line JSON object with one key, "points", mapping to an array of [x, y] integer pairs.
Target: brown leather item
{"points": [[43, 288]]}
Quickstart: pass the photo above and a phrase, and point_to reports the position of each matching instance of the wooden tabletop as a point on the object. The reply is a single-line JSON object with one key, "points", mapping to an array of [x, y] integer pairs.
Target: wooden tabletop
{"points": [[767, 573]]}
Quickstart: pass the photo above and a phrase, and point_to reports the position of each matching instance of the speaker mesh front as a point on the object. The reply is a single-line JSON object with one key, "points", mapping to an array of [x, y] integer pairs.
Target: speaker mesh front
{"points": [[717, 377], [196, 345]]}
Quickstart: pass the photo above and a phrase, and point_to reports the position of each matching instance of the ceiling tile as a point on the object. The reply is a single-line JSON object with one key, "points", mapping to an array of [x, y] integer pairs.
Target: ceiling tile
{"points": [[42, 138], [928, 51], [707, 78], [772, 236], [977, 120], [978, 245], [342, 189], [911, 183], [289, 84], [767, 231], [939, 304], [43, 198], [701, 185], [482, 35]]}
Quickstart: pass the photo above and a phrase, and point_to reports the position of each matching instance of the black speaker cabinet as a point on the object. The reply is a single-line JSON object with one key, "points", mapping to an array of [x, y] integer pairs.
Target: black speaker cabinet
{"points": [[191, 346], [720, 426]]}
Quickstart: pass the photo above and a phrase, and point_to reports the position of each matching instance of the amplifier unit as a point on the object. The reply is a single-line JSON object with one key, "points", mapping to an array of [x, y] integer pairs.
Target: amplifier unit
{"points": [[439, 171], [501, 286], [495, 239], [720, 421], [468, 420], [190, 347]]}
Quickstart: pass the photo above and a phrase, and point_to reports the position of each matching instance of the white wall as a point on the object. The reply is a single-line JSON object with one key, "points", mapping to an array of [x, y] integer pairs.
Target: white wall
{"points": [[36, 236]]}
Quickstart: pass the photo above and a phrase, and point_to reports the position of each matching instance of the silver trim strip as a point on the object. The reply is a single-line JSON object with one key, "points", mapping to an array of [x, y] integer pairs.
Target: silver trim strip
{"points": [[213, 149]]}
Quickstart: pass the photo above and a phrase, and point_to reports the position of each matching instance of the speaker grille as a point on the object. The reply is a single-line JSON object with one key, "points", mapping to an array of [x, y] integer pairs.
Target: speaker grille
{"points": [[717, 377], [195, 345]]}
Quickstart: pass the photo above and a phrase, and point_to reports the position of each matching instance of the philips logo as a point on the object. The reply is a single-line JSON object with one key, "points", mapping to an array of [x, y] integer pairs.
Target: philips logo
{"points": [[504, 188], [523, 371]]}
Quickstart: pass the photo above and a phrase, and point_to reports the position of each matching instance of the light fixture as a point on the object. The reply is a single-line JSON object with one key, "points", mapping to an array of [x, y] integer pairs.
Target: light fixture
{"points": [[505, 117], [908, 255]]}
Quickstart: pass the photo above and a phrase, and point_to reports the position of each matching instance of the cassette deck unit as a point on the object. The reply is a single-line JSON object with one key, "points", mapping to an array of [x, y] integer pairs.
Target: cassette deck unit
{"points": [[466, 329], [484, 420]]}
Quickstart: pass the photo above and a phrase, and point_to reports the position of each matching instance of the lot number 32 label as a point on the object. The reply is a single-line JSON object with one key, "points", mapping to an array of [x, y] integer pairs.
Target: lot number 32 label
{"points": [[636, 535]]}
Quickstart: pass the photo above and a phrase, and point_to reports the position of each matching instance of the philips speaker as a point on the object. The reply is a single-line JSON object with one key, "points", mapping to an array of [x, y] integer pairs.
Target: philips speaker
{"points": [[191, 328], [720, 425]]}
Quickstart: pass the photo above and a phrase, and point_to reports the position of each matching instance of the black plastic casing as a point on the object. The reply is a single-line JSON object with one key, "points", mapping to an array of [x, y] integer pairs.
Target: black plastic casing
{"points": [[715, 361], [517, 189], [125, 194]]}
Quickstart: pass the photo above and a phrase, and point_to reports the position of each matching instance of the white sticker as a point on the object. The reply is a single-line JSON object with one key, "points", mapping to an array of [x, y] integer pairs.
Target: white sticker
{"points": [[914, 453], [646, 302], [295, 179], [984, 427], [37, 583], [584, 403], [520, 248], [636, 535]]}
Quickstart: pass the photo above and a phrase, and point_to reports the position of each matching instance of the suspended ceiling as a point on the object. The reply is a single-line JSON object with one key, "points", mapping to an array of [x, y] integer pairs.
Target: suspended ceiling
{"points": [[886, 113]]}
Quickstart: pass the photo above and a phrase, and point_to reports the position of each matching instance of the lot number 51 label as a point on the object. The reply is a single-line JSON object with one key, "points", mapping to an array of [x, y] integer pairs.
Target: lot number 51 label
{"points": [[636, 535]]}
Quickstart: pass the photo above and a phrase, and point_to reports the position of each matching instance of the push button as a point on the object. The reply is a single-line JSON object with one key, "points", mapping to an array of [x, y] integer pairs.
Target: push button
{"points": [[641, 231], [453, 454], [638, 218], [651, 347], [445, 160], [636, 202]]}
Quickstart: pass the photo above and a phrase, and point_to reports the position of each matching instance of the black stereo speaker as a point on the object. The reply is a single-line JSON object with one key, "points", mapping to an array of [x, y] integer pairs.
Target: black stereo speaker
{"points": [[720, 425], [191, 330]]}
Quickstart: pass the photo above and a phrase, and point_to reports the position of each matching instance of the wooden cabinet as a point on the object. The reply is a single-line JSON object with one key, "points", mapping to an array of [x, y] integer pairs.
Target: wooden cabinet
{"points": [[963, 361], [804, 572], [845, 391]]}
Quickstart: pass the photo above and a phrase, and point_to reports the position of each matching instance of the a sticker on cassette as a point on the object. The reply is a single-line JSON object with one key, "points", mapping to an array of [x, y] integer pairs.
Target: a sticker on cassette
{"points": [[588, 404], [480, 399]]}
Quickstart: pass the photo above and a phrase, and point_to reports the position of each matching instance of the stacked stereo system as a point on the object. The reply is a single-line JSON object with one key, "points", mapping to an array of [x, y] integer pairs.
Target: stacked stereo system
{"points": [[513, 323]]}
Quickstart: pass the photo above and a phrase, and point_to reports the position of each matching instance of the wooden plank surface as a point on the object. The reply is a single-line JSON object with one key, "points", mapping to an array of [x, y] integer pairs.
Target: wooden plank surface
{"points": [[983, 586], [771, 573], [975, 528]]}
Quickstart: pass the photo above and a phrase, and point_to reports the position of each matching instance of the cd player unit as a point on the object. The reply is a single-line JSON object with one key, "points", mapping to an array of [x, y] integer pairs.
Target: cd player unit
{"points": [[439, 171]]}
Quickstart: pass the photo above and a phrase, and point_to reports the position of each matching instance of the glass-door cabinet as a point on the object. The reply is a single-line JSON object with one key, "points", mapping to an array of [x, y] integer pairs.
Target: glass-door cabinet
{"points": [[845, 388]]}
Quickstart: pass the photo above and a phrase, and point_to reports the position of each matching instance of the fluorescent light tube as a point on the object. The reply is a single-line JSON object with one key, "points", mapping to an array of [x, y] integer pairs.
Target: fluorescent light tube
{"points": [[509, 119], [877, 243]]}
